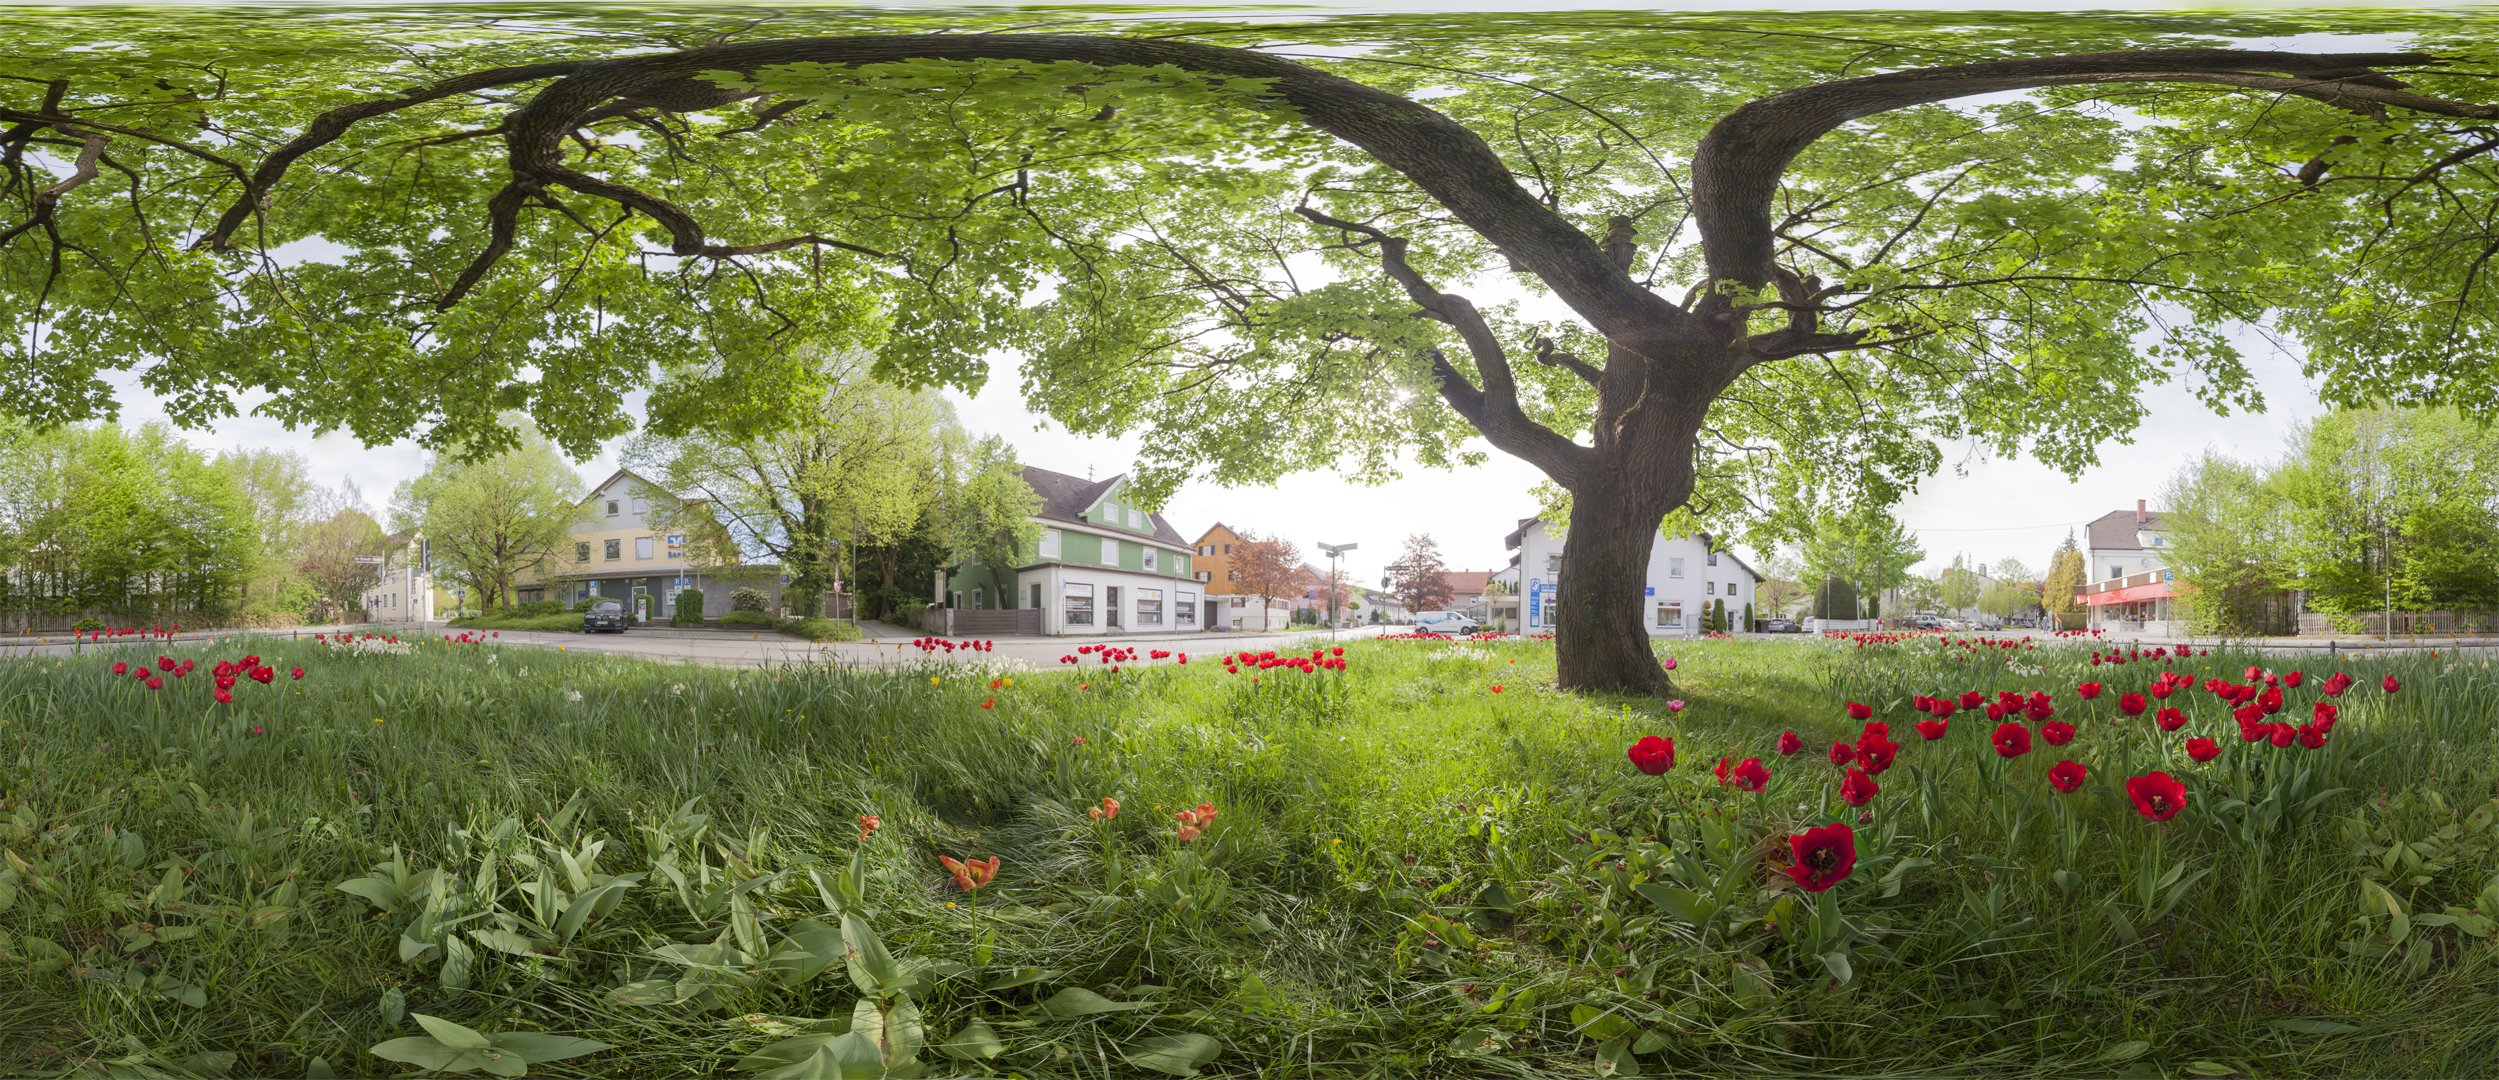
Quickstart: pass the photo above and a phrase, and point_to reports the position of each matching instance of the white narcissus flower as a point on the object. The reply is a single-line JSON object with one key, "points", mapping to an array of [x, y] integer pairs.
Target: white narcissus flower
{"points": [[572, 695]]}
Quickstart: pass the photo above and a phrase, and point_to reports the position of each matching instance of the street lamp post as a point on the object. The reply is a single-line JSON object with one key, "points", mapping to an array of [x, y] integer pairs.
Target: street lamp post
{"points": [[1335, 552]]}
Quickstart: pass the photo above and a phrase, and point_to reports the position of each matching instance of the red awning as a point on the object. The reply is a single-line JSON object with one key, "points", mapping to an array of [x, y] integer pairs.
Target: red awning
{"points": [[2155, 591]]}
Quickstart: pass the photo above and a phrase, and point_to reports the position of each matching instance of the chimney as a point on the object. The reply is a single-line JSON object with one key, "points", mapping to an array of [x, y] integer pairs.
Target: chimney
{"points": [[2140, 515]]}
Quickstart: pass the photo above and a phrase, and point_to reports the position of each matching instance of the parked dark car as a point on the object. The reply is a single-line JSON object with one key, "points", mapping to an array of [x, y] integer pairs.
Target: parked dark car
{"points": [[604, 615]]}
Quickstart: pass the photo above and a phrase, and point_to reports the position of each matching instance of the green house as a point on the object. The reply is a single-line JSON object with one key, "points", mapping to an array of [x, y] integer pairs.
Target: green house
{"points": [[1103, 567]]}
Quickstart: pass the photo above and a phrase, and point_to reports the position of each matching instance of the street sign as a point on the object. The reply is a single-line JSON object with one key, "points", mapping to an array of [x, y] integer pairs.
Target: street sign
{"points": [[1652, 591], [1535, 601], [681, 583], [369, 560]]}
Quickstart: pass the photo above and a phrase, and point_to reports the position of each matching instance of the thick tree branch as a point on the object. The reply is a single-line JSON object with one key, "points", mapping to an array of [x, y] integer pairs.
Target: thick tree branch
{"points": [[1493, 409], [1435, 152], [44, 201], [1736, 170]]}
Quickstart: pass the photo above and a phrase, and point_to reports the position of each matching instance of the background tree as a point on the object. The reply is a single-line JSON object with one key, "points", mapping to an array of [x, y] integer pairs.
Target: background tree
{"points": [[2065, 578], [487, 518], [124, 525], [1780, 590], [1958, 587], [2224, 543], [1837, 599], [1866, 547], [284, 501], [990, 513], [326, 558], [1838, 270], [1266, 567], [1420, 580], [857, 460]]}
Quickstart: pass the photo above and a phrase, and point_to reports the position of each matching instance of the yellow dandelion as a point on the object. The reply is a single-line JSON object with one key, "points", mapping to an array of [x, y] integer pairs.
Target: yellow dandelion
{"points": [[377, 719], [932, 680], [950, 905]]}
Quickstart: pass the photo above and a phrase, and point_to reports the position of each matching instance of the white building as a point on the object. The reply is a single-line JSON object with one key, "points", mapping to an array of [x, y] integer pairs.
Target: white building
{"points": [[405, 592], [2129, 587], [1684, 577]]}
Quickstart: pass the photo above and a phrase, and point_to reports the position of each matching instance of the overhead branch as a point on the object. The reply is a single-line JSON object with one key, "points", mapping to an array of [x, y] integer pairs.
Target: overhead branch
{"points": [[81, 171], [1737, 168], [1550, 355], [1493, 408]]}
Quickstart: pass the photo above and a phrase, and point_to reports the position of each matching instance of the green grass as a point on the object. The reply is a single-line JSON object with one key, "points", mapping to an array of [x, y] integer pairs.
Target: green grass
{"points": [[562, 620], [1411, 874], [822, 629]]}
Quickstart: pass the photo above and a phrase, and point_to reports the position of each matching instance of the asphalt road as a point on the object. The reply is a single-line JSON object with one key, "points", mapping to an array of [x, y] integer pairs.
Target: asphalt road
{"points": [[893, 646]]}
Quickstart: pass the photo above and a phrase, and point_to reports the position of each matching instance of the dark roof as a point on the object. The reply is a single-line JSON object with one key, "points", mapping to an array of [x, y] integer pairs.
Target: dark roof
{"points": [[1066, 498], [2115, 530]]}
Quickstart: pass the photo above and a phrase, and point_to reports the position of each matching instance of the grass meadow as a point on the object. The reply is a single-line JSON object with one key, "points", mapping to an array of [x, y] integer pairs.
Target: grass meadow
{"points": [[506, 861]]}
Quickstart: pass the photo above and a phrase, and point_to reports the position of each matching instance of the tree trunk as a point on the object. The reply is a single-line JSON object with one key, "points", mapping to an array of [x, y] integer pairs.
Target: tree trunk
{"points": [[1600, 641]]}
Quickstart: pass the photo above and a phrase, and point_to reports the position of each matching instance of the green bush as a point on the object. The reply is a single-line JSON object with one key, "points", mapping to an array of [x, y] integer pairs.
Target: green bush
{"points": [[749, 598], [744, 617], [802, 603], [535, 607], [689, 610], [821, 629], [87, 622], [508, 620]]}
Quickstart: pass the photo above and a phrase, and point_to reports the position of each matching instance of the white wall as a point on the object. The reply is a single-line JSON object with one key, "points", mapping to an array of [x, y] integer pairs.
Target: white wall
{"points": [[1174, 594], [1540, 552]]}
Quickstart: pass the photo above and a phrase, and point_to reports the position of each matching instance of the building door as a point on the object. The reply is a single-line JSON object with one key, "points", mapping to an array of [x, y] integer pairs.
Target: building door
{"points": [[641, 596], [1110, 614]]}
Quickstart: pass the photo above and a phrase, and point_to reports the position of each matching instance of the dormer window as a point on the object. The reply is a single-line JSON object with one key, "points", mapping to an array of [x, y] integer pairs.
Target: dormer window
{"points": [[611, 508]]}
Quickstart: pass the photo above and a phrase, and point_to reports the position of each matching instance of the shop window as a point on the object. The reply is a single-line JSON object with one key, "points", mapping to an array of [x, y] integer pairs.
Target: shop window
{"points": [[1078, 602]]}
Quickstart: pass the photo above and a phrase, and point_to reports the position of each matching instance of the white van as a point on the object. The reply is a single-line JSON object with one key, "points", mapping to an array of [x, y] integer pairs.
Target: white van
{"points": [[1452, 623]]}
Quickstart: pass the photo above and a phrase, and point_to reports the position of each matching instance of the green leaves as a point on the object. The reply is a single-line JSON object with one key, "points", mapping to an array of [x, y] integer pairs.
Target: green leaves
{"points": [[447, 1047]]}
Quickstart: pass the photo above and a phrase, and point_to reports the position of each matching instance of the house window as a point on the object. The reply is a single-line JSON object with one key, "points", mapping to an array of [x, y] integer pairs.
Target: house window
{"points": [[1079, 602], [1227, 549], [956, 601], [1110, 512], [615, 550], [980, 598], [1731, 588], [1149, 560], [1674, 568], [1232, 575], [1149, 607], [1184, 609], [1110, 552], [1206, 549], [1036, 596], [1049, 545], [1205, 575], [641, 547], [611, 508], [1670, 616], [1710, 588], [642, 506], [2116, 572], [581, 551], [1713, 558], [1136, 517]]}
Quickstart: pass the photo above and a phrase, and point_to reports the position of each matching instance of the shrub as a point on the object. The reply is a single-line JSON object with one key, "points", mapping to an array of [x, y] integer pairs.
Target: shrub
{"points": [[689, 610], [821, 629], [802, 603], [86, 622], [749, 598], [536, 607], [584, 603], [743, 617]]}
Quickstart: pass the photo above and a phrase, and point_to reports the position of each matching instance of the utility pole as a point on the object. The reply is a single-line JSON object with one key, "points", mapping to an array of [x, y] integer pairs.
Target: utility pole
{"points": [[1335, 552]]}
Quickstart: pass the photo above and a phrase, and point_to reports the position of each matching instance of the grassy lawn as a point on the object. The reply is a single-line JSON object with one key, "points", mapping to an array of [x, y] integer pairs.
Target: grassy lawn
{"points": [[1428, 863]]}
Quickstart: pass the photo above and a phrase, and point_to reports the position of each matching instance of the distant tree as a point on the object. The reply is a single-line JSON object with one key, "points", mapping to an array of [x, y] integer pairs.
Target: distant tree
{"points": [[1266, 567], [284, 501], [987, 513], [1837, 599], [1959, 586], [2006, 599], [2224, 542], [2065, 578], [488, 518], [1868, 548], [1780, 589], [1421, 580], [858, 461], [326, 557]]}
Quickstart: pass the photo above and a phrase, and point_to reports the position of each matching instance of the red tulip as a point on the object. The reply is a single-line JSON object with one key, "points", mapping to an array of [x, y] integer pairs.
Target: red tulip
{"points": [[1971, 699], [1842, 754], [120, 668], [2057, 732], [1931, 730], [1859, 712], [2066, 776], [2201, 749], [1789, 744], [2291, 679], [2012, 740], [156, 684], [2311, 736], [2391, 685], [2336, 684], [2088, 690], [2323, 715], [2281, 734], [1653, 755], [223, 698], [2170, 719], [2157, 796], [1875, 752], [1752, 775], [262, 675], [295, 673], [1859, 788], [2132, 704], [1825, 856]]}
